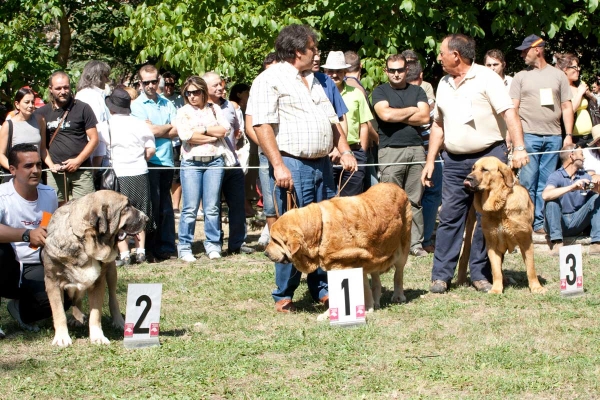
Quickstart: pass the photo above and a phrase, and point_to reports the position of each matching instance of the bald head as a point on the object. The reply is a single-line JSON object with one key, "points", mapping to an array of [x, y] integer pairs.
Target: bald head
{"points": [[215, 88]]}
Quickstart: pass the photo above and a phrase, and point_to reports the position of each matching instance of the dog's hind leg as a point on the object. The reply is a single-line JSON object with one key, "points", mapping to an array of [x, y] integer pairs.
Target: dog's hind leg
{"points": [[113, 301], [398, 296], [78, 318], [96, 298]]}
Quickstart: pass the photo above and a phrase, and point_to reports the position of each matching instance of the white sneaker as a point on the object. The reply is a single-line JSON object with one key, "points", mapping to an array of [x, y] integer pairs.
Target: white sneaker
{"points": [[2, 334], [188, 258], [214, 255]]}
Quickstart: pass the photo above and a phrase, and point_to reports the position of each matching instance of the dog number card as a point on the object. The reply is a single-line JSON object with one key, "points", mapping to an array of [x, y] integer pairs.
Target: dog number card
{"points": [[142, 318], [346, 297], [571, 271]]}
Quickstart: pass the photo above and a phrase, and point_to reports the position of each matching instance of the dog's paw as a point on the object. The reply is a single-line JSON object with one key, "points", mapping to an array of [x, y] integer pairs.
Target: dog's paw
{"points": [[324, 316], [97, 336], [495, 291], [538, 290], [62, 340], [398, 298], [371, 310], [118, 322], [77, 322]]}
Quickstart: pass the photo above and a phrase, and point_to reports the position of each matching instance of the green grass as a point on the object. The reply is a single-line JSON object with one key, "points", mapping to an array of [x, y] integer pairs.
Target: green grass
{"points": [[220, 338]]}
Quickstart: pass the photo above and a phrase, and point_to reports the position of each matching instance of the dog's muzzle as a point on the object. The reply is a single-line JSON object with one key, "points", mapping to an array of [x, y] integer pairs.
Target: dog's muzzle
{"points": [[471, 183]]}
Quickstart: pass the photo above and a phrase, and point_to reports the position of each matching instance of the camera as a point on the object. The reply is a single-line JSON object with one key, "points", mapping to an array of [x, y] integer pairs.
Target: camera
{"points": [[589, 186]]}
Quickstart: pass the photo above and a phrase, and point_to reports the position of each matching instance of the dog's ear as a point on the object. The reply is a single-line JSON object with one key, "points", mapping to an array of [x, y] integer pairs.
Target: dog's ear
{"points": [[116, 203], [507, 174], [294, 243], [98, 218]]}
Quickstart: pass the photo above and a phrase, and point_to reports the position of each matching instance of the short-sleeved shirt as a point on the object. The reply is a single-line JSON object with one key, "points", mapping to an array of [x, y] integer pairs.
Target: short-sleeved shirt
{"points": [[178, 102], [358, 112], [17, 212], [72, 137], [332, 93], [398, 134], [301, 117], [471, 113], [130, 138], [527, 86], [426, 86], [159, 112], [231, 116], [591, 160], [570, 201]]}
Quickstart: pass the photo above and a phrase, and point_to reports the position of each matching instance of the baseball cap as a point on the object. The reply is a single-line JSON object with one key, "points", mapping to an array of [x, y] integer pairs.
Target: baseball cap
{"points": [[531, 41]]}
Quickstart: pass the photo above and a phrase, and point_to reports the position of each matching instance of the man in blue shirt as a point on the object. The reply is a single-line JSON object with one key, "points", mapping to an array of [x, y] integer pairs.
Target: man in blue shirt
{"points": [[571, 205], [159, 113]]}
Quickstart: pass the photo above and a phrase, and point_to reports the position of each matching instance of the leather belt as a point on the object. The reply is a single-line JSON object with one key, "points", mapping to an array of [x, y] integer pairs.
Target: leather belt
{"points": [[204, 159], [355, 147]]}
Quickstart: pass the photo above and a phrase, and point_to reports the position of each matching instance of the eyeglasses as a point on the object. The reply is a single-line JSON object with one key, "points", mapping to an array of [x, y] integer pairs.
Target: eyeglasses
{"points": [[575, 67], [492, 64], [392, 71], [189, 93], [153, 82]]}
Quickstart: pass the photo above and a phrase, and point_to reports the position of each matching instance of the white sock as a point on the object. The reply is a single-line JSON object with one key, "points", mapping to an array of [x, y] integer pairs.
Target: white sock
{"points": [[140, 250], [124, 255]]}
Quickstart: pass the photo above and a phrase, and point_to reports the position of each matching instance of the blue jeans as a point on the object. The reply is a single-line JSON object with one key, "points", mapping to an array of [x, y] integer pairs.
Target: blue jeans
{"points": [[456, 202], [235, 197], [266, 186], [353, 185], [534, 175], [432, 198], [313, 182], [558, 224], [162, 240], [202, 184]]}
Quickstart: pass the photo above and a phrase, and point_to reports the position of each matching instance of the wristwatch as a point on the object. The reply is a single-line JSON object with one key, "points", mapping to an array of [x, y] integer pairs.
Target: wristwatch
{"points": [[519, 148], [205, 129], [25, 237], [348, 152]]}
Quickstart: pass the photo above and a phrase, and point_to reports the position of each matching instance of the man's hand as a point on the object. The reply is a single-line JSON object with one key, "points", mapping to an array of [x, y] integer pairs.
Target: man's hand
{"points": [[568, 140], [519, 159], [334, 156], [71, 165], [580, 184], [426, 174], [37, 237], [283, 177], [349, 163]]}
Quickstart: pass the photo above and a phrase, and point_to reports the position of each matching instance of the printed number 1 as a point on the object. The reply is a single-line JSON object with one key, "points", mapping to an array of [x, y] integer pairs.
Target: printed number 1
{"points": [[137, 328], [346, 295], [571, 281]]}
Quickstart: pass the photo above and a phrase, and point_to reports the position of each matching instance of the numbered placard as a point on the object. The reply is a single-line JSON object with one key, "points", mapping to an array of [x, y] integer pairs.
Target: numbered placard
{"points": [[142, 318], [571, 271], [346, 297]]}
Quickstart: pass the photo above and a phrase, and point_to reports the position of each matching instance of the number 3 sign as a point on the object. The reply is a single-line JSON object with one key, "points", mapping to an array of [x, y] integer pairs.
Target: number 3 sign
{"points": [[571, 271], [142, 318], [346, 297]]}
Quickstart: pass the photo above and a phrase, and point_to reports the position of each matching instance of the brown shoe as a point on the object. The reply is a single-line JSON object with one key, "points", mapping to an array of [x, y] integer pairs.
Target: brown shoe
{"points": [[438, 286], [429, 249], [285, 306], [482, 285], [594, 249], [540, 231], [325, 300], [555, 250]]}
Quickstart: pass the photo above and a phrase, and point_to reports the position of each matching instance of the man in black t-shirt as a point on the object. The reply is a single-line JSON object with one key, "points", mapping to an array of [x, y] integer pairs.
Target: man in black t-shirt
{"points": [[75, 142], [399, 109]]}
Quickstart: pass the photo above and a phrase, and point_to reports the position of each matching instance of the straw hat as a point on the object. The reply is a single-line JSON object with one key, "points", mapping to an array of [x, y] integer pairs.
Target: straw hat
{"points": [[335, 60], [595, 136]]}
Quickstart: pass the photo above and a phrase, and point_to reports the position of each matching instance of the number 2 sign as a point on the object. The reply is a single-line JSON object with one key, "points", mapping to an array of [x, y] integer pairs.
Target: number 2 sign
{"points": [[142, 318], [571, 271], [346, 297]]}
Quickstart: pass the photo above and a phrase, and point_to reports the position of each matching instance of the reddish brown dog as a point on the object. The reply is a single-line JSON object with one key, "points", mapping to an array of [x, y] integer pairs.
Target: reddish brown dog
{"points": [[506, 217], [371, 230]]}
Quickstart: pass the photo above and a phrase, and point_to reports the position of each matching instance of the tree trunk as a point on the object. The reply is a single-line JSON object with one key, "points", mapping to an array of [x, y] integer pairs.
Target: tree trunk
{"points": [[64, 46]]}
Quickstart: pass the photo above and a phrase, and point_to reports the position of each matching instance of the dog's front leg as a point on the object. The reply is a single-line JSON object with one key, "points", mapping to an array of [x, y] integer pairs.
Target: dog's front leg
{"points": [[372, 292], [534, 284], [59, 318], [96, 298], [496, 262], [113, 301]]}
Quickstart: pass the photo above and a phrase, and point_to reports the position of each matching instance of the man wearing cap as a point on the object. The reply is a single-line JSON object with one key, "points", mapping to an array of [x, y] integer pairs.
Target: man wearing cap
{"points": [[571, 205], [357, 117], [471, 115], [541, 94], [159, 113], [400, 108]]}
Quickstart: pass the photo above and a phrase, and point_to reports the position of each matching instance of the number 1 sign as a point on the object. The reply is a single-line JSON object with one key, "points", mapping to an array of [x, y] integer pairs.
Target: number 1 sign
{"points": [[571, 271], [142, 318], [346, 297]]}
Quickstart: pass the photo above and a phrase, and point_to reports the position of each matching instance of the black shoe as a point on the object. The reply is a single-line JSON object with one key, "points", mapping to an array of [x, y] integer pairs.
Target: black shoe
{"points": [[123, 262], [162, 256], [242, 250], [140, 258]]}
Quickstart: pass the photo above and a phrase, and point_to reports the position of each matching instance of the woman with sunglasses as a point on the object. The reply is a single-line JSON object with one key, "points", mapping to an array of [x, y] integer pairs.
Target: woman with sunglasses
{"points": [[582, 128], [26, 127], [199, 126]]}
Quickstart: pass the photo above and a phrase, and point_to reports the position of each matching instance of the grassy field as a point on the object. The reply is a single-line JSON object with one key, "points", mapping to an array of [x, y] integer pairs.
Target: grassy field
{"points": [[221, 338]]}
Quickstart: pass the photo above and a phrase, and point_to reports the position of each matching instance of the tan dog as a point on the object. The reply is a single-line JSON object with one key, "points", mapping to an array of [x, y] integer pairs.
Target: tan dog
{"points": [[371, 230], [79, 256], [506, 217]]}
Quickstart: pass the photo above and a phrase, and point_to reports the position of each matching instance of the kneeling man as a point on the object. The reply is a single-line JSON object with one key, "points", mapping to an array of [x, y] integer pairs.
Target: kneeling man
{"points": [[22, 201], [571, 205]]}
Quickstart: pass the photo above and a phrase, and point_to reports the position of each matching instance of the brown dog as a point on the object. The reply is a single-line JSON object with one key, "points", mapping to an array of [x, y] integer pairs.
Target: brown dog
{"points": [[79, 256], [506, 217], [371, 230]]}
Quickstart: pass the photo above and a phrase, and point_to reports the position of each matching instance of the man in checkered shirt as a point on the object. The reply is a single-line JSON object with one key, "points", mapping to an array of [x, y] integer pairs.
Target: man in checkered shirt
{"points": [[297, 128]]}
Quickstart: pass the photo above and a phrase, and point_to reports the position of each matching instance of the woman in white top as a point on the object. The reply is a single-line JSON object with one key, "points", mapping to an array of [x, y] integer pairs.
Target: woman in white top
{"points": [[199, 125], [26, 127], [131, 145]]}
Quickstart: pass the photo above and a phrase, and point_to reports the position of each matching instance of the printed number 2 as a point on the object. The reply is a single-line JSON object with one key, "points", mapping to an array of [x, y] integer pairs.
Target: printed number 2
{"points": [[571, 281], [137, 328], [346, 295]]}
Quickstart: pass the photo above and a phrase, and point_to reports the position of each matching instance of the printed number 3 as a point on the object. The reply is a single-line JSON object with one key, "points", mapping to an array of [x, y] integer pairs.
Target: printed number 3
{"points": [[137, 328], [571, 281]]}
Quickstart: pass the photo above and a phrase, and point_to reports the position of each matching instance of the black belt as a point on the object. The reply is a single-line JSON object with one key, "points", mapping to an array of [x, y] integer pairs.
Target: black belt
{"points": [[355, 147], [204, 159]]}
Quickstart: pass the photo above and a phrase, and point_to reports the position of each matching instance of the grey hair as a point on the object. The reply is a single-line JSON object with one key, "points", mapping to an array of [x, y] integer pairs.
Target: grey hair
{"points": [[92, 74]]}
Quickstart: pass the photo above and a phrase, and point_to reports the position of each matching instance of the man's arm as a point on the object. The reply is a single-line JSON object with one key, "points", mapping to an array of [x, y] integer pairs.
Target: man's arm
{"points": [[72, 164], [266, 139], [389, 114], [166, 131], [568, 120], [37, 236], [436, 140], [347, 161], [552, 192], [515, 130]]}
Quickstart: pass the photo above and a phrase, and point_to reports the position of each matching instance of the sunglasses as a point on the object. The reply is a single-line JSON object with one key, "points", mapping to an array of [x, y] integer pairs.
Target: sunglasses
{"points": [[153, 82], [189, 93], [392, 71]]}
